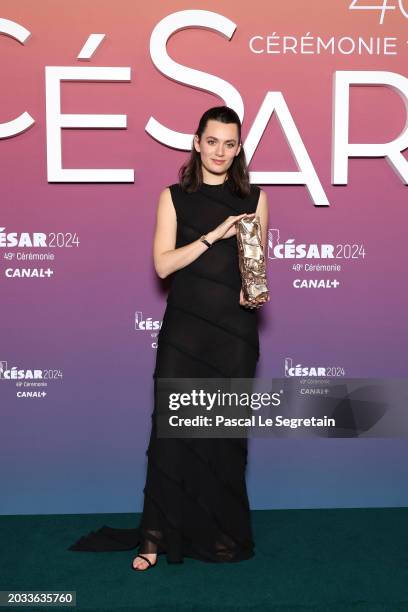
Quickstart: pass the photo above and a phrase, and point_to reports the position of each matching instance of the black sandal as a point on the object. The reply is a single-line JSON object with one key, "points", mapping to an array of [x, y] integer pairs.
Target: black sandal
{"points": [[145, 559]]}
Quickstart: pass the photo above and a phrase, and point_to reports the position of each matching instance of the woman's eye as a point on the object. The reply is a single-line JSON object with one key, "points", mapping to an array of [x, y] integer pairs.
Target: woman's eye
{"points": [[230, 144]]}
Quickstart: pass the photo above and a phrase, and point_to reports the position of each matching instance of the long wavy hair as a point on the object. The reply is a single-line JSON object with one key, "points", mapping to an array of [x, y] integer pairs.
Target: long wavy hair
{"points": [[191, 174]]}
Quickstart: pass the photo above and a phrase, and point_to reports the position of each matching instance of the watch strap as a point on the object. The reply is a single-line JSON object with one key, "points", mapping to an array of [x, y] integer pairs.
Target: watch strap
{"points": [[204, 239]]}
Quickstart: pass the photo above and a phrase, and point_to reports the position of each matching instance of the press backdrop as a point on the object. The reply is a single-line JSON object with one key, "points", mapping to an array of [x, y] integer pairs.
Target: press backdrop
{"points": [[88, 322]]}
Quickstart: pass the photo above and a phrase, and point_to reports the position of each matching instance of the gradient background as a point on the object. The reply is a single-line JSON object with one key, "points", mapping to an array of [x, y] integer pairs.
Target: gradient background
{"points": [[82, 448]]}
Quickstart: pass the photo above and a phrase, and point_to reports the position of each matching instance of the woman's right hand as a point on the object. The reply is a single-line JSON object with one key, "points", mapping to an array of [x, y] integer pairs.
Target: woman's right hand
{"points": [[226, 229]]}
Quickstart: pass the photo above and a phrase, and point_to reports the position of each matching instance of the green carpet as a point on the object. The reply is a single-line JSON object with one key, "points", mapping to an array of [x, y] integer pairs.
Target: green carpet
{"points": [[332, 560]]}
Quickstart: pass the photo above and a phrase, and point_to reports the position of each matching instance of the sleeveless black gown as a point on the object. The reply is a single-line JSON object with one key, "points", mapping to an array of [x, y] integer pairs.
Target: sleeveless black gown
{"points": [[195, 496]]}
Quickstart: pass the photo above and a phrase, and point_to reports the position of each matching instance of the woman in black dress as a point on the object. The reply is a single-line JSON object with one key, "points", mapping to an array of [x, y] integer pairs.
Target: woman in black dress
{"points": [[195, 498]]}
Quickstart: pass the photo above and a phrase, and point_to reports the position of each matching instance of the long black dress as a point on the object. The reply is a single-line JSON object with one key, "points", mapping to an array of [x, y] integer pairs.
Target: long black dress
{"points": [[195, 497]]}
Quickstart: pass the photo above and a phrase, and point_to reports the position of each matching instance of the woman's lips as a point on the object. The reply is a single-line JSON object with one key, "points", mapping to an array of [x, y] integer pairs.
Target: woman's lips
{"points": [[219, 162]]}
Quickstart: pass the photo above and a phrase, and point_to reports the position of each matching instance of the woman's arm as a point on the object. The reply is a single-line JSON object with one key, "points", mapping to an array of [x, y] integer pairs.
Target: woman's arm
{"points": [[167, 258]]}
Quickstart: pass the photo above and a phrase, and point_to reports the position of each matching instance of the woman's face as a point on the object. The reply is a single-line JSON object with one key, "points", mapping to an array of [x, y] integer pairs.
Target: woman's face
{"points": [[218, 146]]}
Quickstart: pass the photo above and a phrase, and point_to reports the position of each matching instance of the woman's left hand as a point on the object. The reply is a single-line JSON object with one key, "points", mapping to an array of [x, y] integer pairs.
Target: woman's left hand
{"points": [[245, 302], [250, 305]]}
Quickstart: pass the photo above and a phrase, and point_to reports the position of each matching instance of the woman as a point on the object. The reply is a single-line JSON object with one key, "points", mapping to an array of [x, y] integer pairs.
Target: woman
{"points": [[195, 497]]}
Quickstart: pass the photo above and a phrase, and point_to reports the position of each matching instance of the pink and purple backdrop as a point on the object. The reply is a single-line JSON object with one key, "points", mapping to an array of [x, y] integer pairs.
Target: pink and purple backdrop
{"points": [[81, 448]]}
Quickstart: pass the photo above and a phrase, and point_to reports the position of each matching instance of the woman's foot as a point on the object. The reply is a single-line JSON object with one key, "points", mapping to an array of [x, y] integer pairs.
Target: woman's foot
{"points": [[141, 564]]}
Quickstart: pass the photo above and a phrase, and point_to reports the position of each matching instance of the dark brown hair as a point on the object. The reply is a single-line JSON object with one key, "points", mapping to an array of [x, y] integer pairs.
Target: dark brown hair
{"points": [[191, 174]]}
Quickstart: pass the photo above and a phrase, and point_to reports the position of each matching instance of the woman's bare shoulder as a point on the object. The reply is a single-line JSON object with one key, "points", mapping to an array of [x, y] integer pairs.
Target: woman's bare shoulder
{"points": [[169, 191], [167, 201]]}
